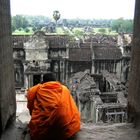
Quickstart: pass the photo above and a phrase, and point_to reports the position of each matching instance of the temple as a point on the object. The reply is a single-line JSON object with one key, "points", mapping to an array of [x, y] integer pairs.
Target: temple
{"points": [[105, 59]]}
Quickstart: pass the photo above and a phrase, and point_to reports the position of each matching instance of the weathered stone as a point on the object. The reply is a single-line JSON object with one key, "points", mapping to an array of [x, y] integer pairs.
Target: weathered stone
{"points": [[7, 93], [134, 82]]}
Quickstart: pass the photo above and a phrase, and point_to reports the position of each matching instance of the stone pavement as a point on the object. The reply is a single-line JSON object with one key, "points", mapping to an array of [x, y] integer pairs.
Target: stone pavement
{"points": [[89, 131]]}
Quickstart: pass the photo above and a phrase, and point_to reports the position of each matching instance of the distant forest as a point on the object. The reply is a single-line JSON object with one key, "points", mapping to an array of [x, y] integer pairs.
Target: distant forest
{"points": [[34, 23]]}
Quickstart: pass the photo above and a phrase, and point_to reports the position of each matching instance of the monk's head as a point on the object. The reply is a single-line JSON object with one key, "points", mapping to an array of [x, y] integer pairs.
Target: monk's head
{"points": [[48, 77]]}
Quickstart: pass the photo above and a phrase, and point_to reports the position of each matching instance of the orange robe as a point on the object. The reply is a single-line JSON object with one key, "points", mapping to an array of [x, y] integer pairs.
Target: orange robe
{"points": [[54, 114]]}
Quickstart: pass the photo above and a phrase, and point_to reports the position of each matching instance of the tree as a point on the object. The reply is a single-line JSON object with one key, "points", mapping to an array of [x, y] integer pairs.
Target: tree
{"points": [[79, 33], [129, 26], [13, 28], [65, 23], [27, 30], [121, 25], [19, 21], [117, 25], [34, 29], [102, 30], [56, 15]]}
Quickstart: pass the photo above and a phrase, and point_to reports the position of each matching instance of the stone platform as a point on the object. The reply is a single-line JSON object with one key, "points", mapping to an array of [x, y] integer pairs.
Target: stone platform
{"points": [[89, 131]]}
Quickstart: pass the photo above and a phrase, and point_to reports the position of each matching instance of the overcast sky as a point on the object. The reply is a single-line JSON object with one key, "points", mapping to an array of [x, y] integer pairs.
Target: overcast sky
{"points": [[85, 9]]}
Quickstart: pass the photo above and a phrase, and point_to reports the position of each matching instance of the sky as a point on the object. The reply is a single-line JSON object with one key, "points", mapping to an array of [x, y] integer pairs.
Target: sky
{"points": [[85, 9]]}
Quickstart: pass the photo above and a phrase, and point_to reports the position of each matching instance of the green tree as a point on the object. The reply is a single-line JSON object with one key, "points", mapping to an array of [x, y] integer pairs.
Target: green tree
{"points": [[13, 28], [117, 24], [102, 30], [65, 23], [34, 29], [79, 33], [19, 21], [27, 30], [121, 25], [129, 26]]}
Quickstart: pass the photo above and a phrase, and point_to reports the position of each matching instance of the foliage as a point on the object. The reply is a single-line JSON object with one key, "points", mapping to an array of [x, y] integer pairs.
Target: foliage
{"points": [[35, 21], [34, 29], [59, 30], [78, 33], [69, 26], [27, 30], [65, 22], [102, 30], [123, 26], [22, 32], [19, 21]]}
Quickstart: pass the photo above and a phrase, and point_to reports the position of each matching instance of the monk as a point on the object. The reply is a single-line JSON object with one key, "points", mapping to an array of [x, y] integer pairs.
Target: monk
{"points": [[54, 114]]}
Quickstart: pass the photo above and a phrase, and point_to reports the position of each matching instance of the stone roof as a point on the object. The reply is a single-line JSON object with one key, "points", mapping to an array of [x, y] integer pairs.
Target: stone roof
{"points": [[114, 81], [18, 40], [80, 54], [57, 40], [107, 53], [82, 78], [102, 39], [73, 44]]}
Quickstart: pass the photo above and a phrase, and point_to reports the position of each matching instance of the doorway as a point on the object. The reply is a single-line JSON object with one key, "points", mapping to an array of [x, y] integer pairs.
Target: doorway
{"points": [[36, 79]]}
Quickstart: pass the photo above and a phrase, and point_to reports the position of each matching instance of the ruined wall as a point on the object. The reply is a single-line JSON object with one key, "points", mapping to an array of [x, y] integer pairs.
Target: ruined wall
{"points": [[7, 94], [36, 48], [134, 81]]}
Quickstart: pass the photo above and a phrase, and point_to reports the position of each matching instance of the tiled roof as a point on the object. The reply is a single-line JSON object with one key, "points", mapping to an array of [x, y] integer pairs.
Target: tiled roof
{"points": [[107, 53], [80, 54]]}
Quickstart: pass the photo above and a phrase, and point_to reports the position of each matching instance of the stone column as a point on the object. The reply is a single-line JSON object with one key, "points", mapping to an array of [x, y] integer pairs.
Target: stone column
{"points": [[67, 71], [7, 84], [134, 82], [26, 81], [93, 67]]}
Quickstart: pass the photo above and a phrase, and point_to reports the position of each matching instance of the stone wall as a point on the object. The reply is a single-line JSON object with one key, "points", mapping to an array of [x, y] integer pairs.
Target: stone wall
{"points": [[7, 93]]}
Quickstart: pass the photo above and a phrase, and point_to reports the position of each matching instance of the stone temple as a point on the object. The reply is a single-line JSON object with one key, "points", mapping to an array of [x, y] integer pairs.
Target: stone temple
{"points": [[102, 73], [95, 69]]}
